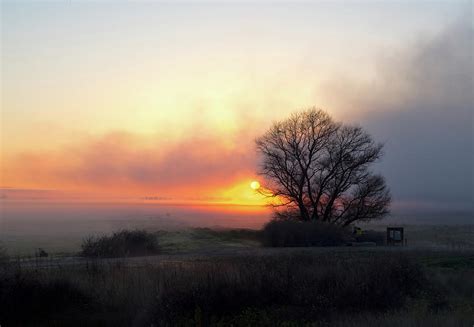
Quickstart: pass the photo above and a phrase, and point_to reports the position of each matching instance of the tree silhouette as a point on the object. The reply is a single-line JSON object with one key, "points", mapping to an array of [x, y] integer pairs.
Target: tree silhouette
{"points": [[319, 170]]}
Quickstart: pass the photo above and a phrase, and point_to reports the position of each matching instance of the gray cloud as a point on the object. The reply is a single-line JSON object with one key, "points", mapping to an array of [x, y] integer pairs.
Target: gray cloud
{"points": [[421, 106]]}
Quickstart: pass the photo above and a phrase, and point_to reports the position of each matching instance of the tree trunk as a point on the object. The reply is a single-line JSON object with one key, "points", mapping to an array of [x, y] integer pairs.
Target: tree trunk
{"points": [[303, 212]]}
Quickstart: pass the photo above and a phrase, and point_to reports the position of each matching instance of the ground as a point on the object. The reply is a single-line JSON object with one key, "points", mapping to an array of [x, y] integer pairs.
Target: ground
{"points": [[201, 270]]}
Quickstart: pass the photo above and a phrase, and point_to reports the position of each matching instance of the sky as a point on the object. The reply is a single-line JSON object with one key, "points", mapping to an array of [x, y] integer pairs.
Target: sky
{"points": [[163, 101]]}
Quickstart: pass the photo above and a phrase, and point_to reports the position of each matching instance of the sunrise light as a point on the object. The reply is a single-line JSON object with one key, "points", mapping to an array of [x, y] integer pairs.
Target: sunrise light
{"points": [[167, 163], [255, 185]]}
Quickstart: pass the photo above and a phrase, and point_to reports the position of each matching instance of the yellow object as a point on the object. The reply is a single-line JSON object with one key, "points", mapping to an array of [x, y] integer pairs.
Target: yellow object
{"points": [[255, 185]]}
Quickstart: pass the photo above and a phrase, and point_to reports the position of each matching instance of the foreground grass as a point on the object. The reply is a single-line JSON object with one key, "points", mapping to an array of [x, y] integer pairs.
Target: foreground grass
{"points": [[301, 287]]}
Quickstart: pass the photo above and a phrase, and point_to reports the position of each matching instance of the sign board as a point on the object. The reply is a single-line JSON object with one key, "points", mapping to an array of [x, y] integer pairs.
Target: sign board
{"points": [[395, 236]]}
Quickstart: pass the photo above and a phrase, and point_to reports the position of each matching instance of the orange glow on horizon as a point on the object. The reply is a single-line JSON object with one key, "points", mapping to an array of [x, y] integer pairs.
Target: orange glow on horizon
{"points": [[236, 194]]}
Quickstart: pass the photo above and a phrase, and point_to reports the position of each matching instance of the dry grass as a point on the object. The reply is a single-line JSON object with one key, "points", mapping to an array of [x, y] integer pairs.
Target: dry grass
{"points": [[123, 243], [291, 289]]}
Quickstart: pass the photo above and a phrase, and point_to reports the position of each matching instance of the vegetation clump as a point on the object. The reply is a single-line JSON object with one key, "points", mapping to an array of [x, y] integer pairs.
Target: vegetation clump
{"points": [[123, 243], [288, 233], [371, 236]]}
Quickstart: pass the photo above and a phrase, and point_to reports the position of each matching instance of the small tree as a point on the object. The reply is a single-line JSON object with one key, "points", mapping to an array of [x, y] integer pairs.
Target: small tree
{"points": [[319, 169]]}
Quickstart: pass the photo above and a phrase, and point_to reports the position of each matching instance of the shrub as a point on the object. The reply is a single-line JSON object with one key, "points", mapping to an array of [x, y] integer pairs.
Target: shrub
{"points": [[279, 233], [372, 236], [121, 244]]}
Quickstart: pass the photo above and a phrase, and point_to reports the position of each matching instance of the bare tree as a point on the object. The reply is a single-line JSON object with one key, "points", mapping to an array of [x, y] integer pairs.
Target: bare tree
{"points": [[319, 169]]}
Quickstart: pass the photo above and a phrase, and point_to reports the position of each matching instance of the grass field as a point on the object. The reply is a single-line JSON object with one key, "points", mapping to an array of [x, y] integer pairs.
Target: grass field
{"points": [[286, 287], [204, 240], [205, 277]]}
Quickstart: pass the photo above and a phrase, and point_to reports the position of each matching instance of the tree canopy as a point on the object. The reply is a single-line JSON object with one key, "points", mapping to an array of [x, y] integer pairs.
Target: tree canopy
{"points": [[320, 169]]}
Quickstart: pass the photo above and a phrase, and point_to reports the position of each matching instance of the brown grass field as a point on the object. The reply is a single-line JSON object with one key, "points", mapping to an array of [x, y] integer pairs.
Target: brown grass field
{"points": [[204, 277]]}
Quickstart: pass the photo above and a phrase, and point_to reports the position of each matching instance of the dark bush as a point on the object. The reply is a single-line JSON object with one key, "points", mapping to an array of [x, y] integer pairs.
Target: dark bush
{"points": [[282, 233], [24, 298], [121, 244], [372, 236]]}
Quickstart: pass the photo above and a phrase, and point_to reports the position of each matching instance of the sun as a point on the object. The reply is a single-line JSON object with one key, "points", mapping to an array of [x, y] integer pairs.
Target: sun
{"points": [[255, 185]]}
